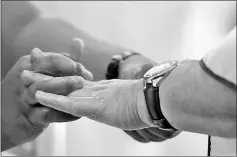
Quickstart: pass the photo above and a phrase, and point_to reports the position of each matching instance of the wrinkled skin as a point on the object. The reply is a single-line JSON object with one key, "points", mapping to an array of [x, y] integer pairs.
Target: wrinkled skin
{"points": [[118, 103], [134, 68]]}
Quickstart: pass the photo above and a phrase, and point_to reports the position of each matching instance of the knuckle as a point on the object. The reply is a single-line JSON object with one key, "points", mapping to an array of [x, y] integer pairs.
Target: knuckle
{"points": [[37, 60], [77, 78], [36, 64], [73, 82]]}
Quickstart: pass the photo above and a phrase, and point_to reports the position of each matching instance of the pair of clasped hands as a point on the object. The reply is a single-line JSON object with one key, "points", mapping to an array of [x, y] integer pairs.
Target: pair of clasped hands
{"points": [[50, 87]]}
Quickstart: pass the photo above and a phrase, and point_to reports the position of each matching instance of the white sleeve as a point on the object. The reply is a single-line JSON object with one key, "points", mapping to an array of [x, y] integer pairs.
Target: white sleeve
{"points": [[222, 59]]}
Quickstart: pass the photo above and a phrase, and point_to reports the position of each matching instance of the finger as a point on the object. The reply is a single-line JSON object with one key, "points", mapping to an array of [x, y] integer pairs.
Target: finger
{"points": [[30, 77], [57, 85], [135, 135], [78, 106], [149, 136], [82, 71], [36, 53], [54, 64], [45, 115], [76, 48], [162, 133]]}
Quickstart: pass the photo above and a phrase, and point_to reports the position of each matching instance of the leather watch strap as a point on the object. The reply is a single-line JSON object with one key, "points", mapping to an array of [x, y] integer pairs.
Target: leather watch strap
{"points": [[152, 99], [153, 104], [113, 68]]}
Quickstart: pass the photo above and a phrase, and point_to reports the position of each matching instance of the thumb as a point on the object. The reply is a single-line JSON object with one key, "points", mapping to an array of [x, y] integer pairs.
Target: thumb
{"points": [[76, 48]]}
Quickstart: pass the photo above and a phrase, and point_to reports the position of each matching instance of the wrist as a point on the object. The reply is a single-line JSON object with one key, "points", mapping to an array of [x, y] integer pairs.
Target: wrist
{"points": [[142, 107], [168, 94]]}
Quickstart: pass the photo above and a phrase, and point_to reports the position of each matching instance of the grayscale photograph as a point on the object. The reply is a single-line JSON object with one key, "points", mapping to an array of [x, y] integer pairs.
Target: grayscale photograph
{"points": [[118, 78]]}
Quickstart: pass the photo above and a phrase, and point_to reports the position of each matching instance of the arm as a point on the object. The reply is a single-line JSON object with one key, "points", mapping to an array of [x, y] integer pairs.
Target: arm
{"points": [[193, 100]]}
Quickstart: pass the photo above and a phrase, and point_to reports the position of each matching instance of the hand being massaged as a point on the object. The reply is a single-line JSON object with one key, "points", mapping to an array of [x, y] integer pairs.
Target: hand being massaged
{"points": [[119, 103]]}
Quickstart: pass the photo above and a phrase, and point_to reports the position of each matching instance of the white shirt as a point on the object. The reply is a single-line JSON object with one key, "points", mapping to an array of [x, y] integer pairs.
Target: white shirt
{"points": [[222, 62]]}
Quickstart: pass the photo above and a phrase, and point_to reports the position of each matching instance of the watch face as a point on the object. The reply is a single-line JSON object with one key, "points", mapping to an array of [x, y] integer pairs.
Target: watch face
{"points": [[159, 70]]}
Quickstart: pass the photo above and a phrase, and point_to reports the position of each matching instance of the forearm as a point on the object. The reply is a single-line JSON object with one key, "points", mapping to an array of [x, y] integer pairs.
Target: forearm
{"points": [[191, 100]]}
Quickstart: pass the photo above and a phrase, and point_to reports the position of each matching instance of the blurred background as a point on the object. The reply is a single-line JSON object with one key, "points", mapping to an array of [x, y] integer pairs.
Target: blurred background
{"points": [[159, 30]]}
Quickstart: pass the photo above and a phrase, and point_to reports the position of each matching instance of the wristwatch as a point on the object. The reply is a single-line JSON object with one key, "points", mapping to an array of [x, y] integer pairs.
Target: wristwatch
{"points": [[113, 67], [152, 80]]}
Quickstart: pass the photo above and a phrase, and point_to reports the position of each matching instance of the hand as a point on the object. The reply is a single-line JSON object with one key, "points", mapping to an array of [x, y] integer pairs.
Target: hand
{"points": [[119, 103], [23, 119], [134, 68]]}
